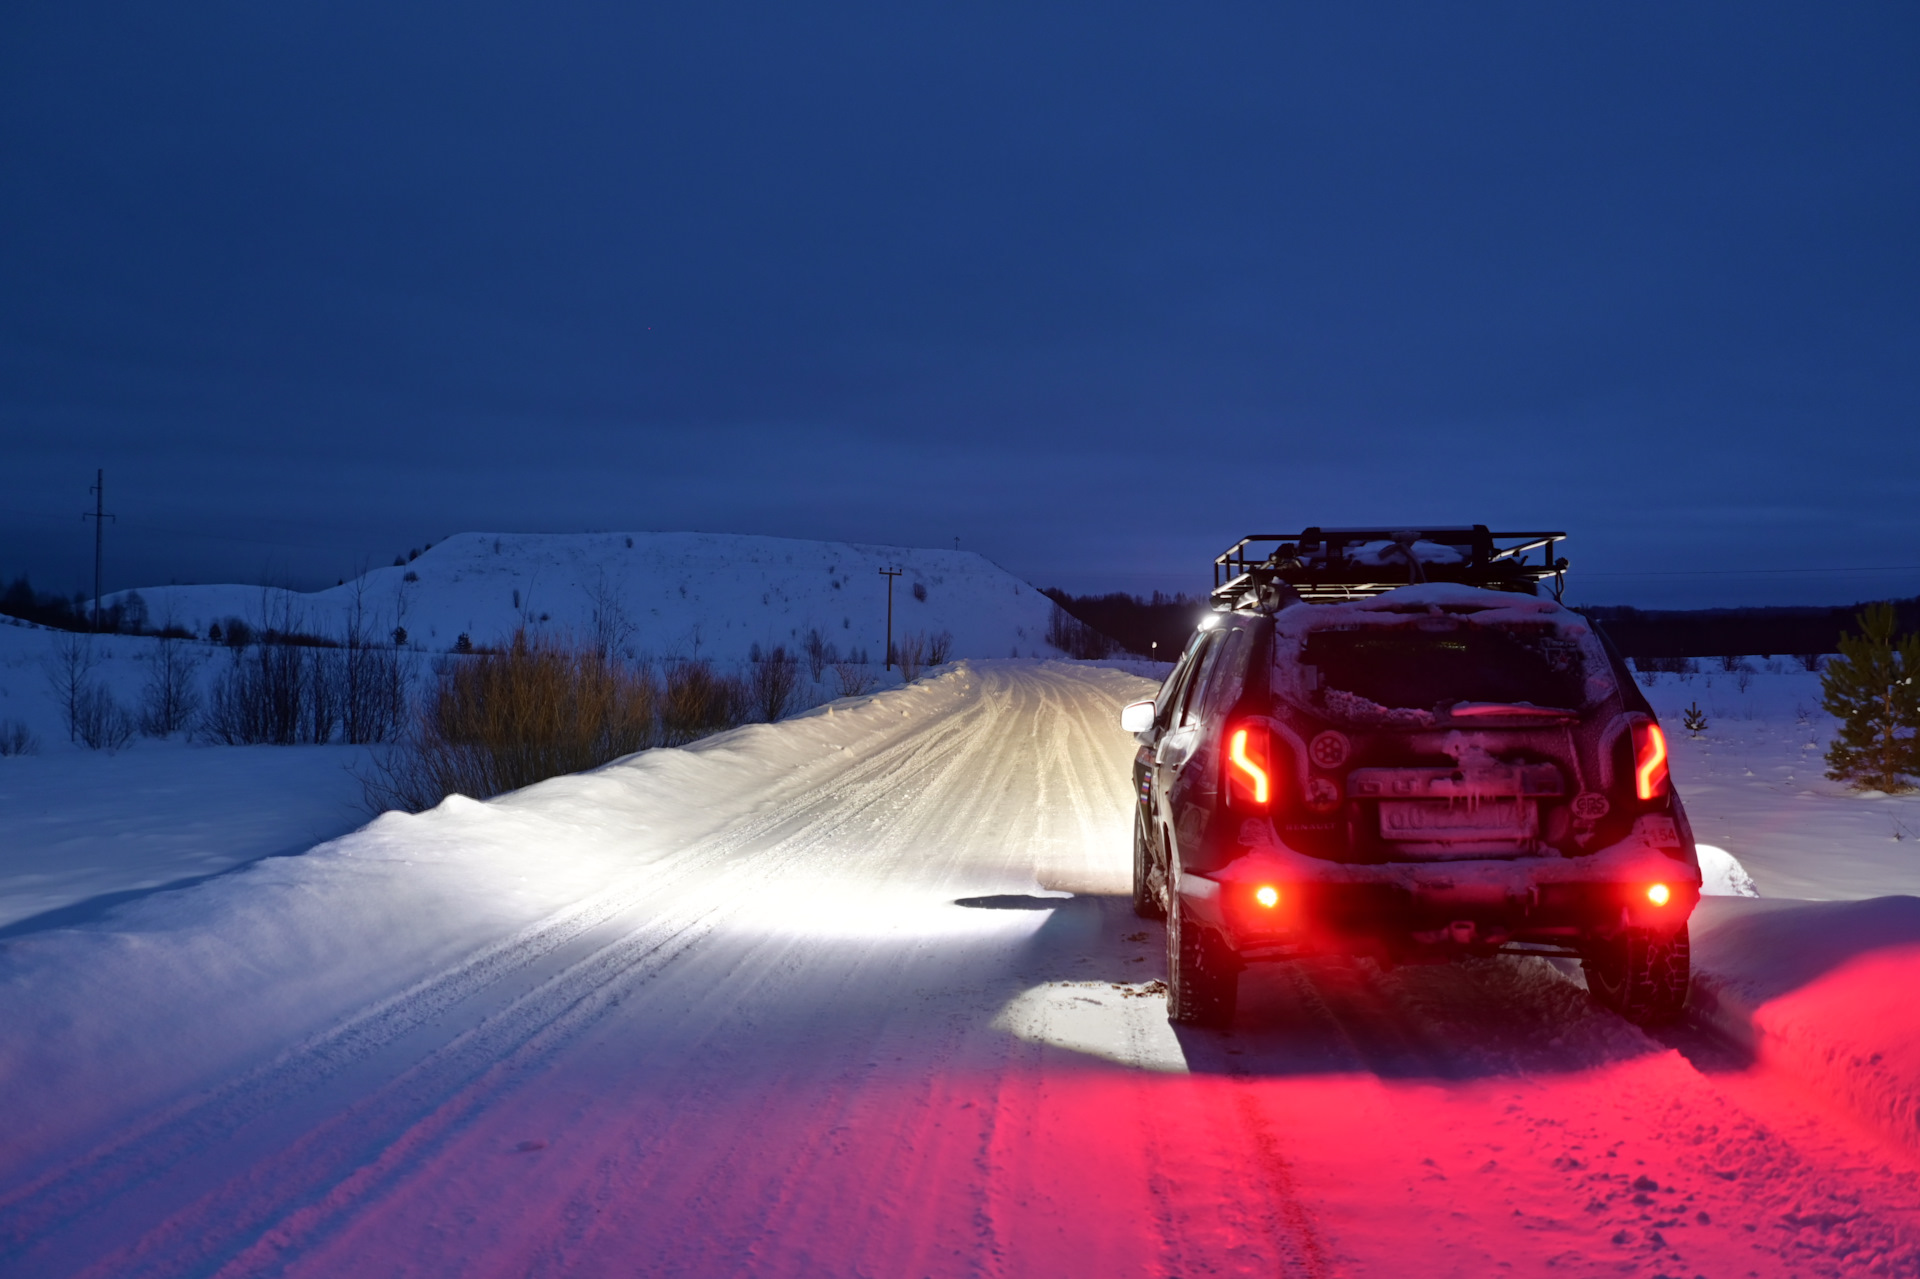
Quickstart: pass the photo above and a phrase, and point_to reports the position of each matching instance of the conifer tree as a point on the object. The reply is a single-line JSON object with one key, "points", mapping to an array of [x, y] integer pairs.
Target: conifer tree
{"points": [[1871, 689]]}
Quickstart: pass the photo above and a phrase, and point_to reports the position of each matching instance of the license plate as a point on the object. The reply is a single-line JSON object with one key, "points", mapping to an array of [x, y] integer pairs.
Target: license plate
{"points": [[1489, 818]]}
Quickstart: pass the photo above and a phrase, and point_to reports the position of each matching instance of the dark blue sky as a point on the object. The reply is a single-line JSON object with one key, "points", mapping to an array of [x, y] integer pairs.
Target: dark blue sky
{"points": [[1096, 288]]}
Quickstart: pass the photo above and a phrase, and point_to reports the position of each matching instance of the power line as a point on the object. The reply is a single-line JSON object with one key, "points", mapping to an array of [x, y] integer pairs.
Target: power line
{"points": [[99, 517], [890, 574], [1749, 572]]}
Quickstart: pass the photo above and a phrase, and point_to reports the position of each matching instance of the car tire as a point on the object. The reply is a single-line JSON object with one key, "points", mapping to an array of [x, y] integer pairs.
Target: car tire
{"points": [[1641, 974], [1203, 979], [1147, 902]]}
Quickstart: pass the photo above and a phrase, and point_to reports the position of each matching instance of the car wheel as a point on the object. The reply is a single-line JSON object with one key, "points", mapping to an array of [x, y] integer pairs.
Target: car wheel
{"points": [[1203, 978], [1641, 974], [1147, 902]]}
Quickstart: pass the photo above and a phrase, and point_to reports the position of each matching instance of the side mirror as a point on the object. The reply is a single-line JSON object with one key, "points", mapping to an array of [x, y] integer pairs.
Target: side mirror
{"points": [[1137, 718]]}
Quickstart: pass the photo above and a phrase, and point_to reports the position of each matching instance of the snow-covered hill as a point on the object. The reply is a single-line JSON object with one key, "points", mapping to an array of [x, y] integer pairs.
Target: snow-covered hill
{"points": [[685, 594]]}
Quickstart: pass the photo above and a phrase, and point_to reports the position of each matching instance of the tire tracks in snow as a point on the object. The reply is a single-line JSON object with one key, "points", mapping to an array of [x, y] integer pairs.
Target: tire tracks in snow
{"points": [[958, 794], [376, 1107], [189, 1129]]}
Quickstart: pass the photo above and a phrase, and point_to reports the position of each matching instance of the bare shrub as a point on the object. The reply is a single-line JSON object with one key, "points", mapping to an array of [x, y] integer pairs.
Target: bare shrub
{"points": [[101, 722], [17, 739], [374, 694], [325, 703], [290, 685], [911, 653], [818, 654], [854, 678], [236, 712], [274, 694], [940, 648], [773, 680], [372, 680], [612, 628], [274, 691], [698, 701], [171, 696], [70, 675], [1809, 661], [133, 614], [501, 720]]}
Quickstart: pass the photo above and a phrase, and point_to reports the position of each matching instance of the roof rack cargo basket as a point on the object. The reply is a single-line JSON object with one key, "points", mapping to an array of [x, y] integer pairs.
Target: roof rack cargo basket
{"points": [[1267, 571]]}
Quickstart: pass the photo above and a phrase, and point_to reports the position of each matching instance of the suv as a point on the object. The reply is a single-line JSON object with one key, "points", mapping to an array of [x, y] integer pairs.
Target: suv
{"points": [[1399, 743]]}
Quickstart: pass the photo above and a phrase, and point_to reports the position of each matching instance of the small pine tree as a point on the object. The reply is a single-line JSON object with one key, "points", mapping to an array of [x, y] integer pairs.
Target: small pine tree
{"points": [[1870, 688], [1695, 719]]}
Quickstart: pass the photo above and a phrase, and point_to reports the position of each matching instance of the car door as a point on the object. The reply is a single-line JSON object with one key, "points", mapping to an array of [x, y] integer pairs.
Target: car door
{"points": [[1167, 697], [1177, 771], [1193, 766]]}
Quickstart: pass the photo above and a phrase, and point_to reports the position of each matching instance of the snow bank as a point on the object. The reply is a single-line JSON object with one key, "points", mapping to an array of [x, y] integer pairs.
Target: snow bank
{"points": [[1822, 990], [1722, 875]]}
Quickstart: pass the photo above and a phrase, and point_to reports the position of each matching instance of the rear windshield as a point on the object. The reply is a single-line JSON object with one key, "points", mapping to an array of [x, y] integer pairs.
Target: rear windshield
{"points": [[1416, 668]]}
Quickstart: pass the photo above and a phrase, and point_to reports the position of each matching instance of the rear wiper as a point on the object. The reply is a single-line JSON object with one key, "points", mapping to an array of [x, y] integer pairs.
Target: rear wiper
{"points": [[1511, 710]]}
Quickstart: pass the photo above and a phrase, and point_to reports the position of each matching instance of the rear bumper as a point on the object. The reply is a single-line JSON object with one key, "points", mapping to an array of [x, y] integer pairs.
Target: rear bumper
{"points": [[1473, 905]]}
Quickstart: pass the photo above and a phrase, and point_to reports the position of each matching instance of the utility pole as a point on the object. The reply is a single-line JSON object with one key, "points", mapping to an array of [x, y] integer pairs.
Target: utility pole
{"points": [[890, 574], [99, 517]]}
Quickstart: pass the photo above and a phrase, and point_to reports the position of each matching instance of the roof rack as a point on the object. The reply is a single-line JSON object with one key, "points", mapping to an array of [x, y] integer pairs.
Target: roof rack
{"points": [[1267, 571]]}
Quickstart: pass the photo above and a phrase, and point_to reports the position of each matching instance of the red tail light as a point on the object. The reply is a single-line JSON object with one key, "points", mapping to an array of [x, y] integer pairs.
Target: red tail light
{"points": [[1249, 767], [1649, 760]]}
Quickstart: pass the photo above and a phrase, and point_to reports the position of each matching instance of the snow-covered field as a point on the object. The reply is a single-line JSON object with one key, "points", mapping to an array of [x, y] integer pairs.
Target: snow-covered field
{"points": [[859, 993], [1754, 783], [81, 829]]}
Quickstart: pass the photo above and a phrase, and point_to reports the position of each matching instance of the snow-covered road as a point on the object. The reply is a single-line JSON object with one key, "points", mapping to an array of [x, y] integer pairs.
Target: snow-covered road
{"points": [[857, 994]]}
